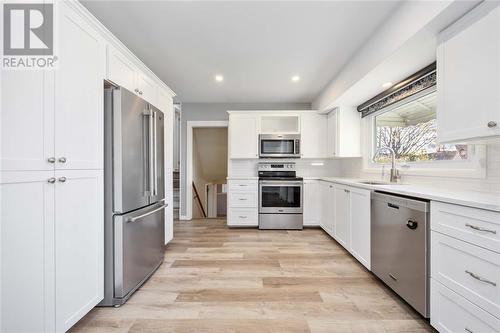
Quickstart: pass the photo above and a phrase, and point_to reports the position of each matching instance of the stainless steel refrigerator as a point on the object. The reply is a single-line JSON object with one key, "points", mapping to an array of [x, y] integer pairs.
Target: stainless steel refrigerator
{"points": [[134, 193]]}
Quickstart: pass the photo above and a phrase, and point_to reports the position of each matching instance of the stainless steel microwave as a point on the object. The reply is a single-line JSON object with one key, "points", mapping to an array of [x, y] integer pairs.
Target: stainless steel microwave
{"points": [[279, 145]]}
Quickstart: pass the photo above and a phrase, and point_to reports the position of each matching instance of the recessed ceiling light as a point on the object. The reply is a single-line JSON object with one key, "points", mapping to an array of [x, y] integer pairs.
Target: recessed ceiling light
{"points": [[387, 85], [295, 78], [219, 78]]}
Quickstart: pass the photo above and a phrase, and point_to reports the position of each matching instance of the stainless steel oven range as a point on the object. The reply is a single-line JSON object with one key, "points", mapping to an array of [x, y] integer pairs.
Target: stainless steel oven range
{"points": [[280, 196]]}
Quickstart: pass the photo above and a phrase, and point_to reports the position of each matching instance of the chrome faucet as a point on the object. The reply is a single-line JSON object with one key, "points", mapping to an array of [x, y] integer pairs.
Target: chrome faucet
{"points": [[395, 177]]}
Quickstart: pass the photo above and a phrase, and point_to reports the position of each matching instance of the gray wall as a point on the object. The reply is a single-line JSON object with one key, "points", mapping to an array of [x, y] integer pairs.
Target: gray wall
{"points": [[218, 111]]}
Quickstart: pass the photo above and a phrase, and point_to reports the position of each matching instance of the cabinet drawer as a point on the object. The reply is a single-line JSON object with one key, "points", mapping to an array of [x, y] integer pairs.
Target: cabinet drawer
{"points": [[469, 270], [243, 186], [243, 199], [243, 217], [473, 225], [452, 313]]}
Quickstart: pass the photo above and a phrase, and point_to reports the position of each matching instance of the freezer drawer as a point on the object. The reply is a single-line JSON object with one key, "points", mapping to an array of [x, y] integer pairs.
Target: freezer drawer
{"points": [[138, 247]]}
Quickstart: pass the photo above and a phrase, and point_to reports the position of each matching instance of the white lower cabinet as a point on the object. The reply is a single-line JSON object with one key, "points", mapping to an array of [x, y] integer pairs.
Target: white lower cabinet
{"points": [[52, 248], [242, 203], [360, 226], [312, 205], [27, 252], [79, 244], [327, 207], [342, 215], [465, 269], [452, 313], [345, 215]]}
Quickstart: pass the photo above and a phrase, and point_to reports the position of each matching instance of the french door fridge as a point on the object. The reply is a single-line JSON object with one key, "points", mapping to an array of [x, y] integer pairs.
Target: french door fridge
{"points": [[134, 193]]}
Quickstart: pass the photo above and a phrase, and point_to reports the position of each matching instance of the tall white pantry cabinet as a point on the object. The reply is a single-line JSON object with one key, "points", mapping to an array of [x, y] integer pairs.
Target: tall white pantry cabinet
{"points": [[51, 185]]}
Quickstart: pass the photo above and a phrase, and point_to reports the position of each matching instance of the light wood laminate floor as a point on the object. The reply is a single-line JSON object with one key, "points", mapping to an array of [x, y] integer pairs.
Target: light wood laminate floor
{"points": [[216, 279]]}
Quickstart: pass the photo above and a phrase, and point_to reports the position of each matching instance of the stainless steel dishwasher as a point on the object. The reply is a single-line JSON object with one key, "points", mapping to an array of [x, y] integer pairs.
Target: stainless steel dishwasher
{"points": [[399, 247]]}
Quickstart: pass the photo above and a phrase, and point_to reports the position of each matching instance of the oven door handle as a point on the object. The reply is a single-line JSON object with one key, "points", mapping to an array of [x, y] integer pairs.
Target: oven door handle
{"points": [[280, 182]]}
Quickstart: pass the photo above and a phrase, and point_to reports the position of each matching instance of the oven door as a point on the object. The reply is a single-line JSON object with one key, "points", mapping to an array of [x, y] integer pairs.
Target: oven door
{"points": [[280, 197], [278, 146]]}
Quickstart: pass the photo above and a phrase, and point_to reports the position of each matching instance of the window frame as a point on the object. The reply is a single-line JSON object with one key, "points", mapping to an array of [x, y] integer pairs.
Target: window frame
{"points": [[473, 167]]}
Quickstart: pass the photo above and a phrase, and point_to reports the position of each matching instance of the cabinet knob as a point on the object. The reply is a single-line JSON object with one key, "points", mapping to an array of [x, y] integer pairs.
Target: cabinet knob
{"points": [[51, 160], [136, 90], [62, 179], [140, 92], [492, 124], [51, 180], [62, 159]]}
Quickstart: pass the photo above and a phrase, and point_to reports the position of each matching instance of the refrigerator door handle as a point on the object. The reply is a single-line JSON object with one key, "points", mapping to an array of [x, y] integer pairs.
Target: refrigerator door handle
{"points": [[155, 155], [135, 218], [151, 152]]}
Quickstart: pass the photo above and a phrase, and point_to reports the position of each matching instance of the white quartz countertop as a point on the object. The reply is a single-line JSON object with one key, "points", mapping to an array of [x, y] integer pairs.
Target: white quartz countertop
{"points": [[483, 200]]}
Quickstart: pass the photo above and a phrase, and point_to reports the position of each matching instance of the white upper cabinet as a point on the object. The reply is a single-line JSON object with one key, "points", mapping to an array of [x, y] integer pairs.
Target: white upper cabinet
{"points": [[146, 87], [79, 93], [468, 72], [27, 121], [121, 70], [313, 130], [243, 136], [344, 133], [284, 124]]}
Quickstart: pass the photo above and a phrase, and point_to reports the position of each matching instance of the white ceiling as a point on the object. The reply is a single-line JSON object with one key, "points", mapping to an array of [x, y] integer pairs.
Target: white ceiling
{"points": [[256, 45]]}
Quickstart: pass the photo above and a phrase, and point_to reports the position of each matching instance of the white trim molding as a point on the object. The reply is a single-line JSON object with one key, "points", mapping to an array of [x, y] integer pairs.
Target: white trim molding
{"points": [[189, 161]]}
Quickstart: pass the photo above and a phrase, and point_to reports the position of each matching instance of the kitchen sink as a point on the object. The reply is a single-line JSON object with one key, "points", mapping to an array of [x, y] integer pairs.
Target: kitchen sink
{"points": [[375, 182]]}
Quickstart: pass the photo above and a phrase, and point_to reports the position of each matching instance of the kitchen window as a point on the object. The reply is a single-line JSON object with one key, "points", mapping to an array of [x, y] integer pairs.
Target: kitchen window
{"points": [[409, 127], [410, 130]]}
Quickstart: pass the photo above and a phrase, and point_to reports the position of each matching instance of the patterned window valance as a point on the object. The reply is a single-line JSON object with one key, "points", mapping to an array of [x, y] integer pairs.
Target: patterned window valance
{"points": [[421, 80]]}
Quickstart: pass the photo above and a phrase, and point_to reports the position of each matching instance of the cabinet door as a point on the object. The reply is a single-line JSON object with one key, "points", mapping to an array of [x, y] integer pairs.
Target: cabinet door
{"points": [[27, 120], [79, 93], [312, 204], [359, 209], [147, 88], [121, 70], [79, 257], [331, 143], [27, 252], [341, 214], [468, 65], [243, 136], [313, 135]]}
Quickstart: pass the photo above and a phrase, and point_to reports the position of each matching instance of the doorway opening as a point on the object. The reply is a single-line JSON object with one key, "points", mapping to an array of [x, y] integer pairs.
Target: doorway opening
{"points": [[207, 170]]}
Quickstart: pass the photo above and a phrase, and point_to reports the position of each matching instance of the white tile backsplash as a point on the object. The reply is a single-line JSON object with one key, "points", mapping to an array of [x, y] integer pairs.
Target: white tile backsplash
{"points": [[304, 167]]}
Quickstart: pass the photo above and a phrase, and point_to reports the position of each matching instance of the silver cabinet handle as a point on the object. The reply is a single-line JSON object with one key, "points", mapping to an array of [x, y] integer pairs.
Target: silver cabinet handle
{"points": [[135, 218], [480, 229], [51, 180], [242, 217], [347, 191], [136, 90], [492, 124], [51, 160], [62, 179], [242, 185], [140, 92], [468, 330], [479, 278], [242, 199], [62, 159]]}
